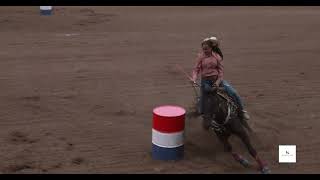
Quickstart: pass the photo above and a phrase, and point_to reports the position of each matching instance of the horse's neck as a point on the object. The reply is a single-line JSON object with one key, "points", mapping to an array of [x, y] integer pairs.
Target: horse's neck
{"points": [[222, 110]]}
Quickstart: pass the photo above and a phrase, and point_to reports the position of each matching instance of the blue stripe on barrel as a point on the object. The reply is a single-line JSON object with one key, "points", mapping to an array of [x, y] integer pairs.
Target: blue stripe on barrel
{"points": [[161, 153]]}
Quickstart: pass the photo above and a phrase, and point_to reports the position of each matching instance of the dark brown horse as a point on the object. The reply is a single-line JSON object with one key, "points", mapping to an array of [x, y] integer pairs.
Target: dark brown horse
{"points": [[223, 117]]}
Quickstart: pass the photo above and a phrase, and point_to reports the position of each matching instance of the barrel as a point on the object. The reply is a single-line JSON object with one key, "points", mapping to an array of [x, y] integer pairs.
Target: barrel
{"points": [[168, 132], [46, 10]]}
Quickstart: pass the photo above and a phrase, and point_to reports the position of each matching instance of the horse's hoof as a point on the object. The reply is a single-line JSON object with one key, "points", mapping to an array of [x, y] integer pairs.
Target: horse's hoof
{"points": [[245, 163], [265, 170]]}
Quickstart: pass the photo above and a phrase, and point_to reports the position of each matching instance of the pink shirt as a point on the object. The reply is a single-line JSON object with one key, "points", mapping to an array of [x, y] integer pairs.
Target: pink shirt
{"points": [[209, 66]]}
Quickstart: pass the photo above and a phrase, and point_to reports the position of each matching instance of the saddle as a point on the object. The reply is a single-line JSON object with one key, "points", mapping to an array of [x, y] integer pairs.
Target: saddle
{"points": [[232, 104], [233, 109], [222, 93]]}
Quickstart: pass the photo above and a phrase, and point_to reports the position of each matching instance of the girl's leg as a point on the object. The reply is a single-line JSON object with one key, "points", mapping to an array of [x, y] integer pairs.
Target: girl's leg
{"points": [[232, 92]]}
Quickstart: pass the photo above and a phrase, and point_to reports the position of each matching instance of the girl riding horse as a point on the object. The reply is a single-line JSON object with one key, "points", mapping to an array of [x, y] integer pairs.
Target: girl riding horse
{"points": [[220, 113], [209, 65]]}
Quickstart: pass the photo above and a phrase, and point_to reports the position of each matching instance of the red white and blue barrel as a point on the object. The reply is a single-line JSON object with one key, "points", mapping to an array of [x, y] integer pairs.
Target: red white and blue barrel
{"points": [[46, 10], [168, 133]]}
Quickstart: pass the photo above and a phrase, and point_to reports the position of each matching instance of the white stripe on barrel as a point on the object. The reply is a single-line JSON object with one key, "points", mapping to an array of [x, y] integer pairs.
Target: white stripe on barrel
{"points": [[167, 140]]}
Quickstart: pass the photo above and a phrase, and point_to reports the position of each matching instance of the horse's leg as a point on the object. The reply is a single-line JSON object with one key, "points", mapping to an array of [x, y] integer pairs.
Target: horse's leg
{"points": [[239, 130], [223, 137], [246, 125]]}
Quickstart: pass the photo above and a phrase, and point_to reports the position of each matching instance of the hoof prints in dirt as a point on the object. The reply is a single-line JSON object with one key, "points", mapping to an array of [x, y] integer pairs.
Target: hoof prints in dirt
{"points": [[93, 17], [57, 166], [124, 113], [17, 168], [91, 12], [87, 11], [32, 102], [260, 95], [19, 137], [78, 160], [31, 98], [28, 167], [68, 97], [70, 147], [4, 20]]}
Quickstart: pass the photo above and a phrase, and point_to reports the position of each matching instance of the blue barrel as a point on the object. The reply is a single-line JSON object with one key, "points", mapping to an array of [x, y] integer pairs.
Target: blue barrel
{"points": [[46, 10]]}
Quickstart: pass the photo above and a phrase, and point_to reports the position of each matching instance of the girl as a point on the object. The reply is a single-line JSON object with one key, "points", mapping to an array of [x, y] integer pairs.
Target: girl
{"points": [[209, 65]]}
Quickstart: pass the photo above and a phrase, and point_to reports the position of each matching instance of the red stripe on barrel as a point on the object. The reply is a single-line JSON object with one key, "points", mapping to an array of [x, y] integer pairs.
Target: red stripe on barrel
{"points": [[169, 119]]}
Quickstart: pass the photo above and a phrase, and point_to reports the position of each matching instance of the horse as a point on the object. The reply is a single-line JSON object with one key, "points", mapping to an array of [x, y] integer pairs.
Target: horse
{"points": [[221, 114]]}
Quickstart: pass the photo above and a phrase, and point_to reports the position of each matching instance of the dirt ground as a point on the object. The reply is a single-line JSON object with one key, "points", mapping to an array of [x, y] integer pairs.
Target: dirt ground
{"points": [[78, 87]]}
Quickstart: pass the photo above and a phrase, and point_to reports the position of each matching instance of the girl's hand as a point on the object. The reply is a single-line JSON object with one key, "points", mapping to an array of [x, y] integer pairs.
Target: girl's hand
{"points": [[193, 81]]}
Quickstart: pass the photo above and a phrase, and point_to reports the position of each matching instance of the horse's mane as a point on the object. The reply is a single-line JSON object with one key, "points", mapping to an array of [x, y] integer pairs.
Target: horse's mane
{"points": [[222, 106]]}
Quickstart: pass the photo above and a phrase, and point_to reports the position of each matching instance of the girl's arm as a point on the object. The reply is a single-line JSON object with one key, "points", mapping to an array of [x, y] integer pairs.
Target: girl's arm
{"points": [[196, 69], [220, 70]]}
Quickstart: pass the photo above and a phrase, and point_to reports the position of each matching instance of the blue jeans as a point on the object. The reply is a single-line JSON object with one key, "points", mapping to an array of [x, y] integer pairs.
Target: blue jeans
{"points": [[233, 93], [205, 88]]}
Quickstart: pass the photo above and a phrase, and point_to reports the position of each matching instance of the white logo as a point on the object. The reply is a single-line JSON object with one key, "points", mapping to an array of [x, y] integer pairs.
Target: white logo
{"points": [[287, 154]]}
